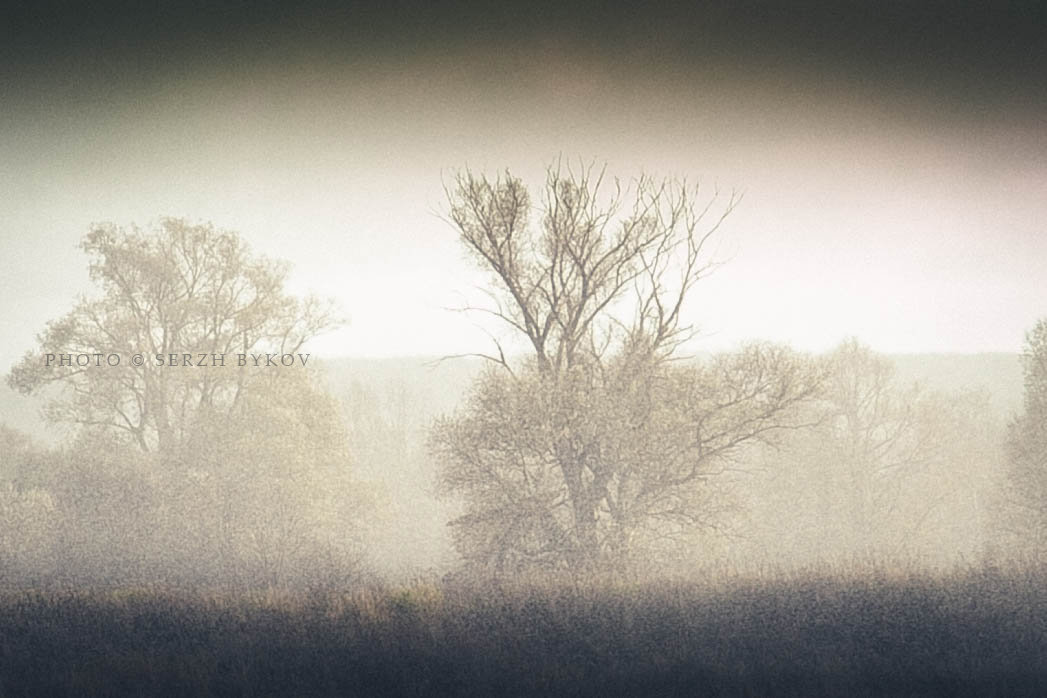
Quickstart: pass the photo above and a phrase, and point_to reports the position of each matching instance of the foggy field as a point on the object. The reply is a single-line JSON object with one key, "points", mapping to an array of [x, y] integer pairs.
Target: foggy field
{"points": [[492, 349], [975, 632]]}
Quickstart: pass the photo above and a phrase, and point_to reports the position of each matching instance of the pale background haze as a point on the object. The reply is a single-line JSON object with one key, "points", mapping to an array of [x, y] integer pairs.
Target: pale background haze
{"points": [[891, 208]]}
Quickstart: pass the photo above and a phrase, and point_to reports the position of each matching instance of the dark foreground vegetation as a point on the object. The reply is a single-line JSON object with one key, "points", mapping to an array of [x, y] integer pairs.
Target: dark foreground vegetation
{"points": [[977, 633]]}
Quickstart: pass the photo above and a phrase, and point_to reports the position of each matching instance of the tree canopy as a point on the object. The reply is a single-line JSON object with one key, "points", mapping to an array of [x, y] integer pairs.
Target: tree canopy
{"points": [[201, 471], [179, 289]]}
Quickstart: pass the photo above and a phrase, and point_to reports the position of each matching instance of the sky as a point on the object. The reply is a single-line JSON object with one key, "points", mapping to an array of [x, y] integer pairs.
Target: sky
{"points": [[892, 156]]}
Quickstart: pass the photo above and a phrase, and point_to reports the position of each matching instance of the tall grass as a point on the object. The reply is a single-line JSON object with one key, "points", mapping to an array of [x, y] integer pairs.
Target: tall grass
{"points": [[830, 632]]}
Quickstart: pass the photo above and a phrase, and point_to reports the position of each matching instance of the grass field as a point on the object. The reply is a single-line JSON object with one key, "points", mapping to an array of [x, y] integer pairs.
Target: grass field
{"points": [[974, 633]]}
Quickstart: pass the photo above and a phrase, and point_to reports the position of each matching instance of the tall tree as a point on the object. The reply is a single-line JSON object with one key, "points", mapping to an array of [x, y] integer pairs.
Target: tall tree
{"points": [[598, 443], [180, 289], [254, 484]]}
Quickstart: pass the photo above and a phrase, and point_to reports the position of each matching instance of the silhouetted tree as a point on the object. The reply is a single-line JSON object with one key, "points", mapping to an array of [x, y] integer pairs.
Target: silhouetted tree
{"points": [[598, 444]]}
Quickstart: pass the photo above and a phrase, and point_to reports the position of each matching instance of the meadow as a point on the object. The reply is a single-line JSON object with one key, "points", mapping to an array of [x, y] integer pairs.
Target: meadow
{"points": [[827, 632]]}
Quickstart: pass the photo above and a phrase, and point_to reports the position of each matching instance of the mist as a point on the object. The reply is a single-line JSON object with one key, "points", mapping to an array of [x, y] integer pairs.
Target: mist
{"points": [[624, 350]]}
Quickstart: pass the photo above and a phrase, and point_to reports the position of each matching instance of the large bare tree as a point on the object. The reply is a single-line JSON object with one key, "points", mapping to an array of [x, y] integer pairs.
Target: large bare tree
{"points": [[598, 443]]}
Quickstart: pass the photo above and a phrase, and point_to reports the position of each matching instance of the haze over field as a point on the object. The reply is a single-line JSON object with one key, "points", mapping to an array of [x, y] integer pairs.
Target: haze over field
{"points": [[459, 349]]}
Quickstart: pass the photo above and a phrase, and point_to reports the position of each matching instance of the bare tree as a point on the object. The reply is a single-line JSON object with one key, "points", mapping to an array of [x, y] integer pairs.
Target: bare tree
{"points": [[563, 286], [889, 470], [872, 438], [599, 443]]}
